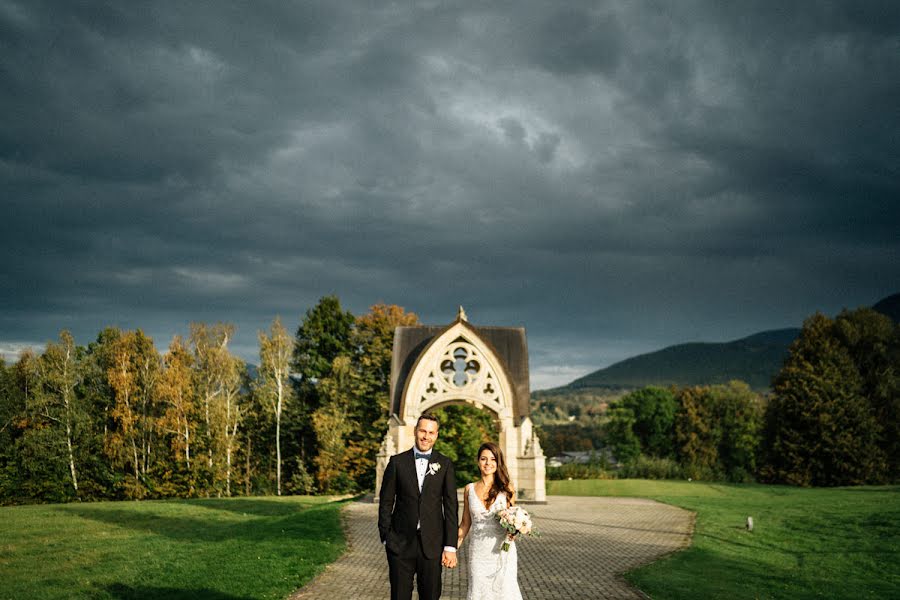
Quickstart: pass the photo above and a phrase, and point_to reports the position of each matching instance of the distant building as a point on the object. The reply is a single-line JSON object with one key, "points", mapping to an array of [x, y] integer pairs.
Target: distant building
{"points": [[584, 457]]}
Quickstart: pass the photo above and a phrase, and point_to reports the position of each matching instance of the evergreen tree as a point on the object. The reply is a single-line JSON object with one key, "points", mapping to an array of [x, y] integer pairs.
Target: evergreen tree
{"points": [[323, 336], [33, 467], [257, 453], [873, 342], [9, 412], [332, 424], [103, 478], [361, 392], [820, 427]]}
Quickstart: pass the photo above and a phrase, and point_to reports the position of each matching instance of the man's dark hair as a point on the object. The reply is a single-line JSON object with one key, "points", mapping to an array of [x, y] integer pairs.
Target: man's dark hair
{"points": [[428, 417]]}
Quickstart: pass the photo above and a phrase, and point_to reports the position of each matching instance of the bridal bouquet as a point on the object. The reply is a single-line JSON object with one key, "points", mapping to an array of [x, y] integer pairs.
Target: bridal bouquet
{"points": [[515, 520]]}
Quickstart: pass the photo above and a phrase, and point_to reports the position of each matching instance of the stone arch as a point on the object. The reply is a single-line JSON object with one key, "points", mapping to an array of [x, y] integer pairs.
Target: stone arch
{"points": [[457, 366], [433, 367]]}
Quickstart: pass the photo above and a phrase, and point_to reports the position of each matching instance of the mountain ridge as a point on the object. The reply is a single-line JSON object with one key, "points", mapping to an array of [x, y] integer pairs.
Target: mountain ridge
{"points": [[755, 359]]}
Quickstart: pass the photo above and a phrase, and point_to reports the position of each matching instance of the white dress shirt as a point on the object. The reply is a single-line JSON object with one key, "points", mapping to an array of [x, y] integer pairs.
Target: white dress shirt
{"points": [[422, 467]]}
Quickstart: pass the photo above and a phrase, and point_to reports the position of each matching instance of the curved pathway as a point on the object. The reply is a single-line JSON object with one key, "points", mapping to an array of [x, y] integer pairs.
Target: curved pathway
{"points": [[586, 544]]}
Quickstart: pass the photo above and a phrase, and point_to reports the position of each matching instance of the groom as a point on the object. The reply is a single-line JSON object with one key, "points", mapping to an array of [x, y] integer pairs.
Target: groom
{"points": [[417, 515]]}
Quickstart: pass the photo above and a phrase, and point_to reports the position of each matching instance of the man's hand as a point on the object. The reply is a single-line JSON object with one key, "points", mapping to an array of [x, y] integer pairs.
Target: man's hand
{"points": [[448, 559]]}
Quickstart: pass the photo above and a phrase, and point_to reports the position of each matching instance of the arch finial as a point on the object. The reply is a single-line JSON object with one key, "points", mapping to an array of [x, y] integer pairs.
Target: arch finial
{"points": [[461, 315]]}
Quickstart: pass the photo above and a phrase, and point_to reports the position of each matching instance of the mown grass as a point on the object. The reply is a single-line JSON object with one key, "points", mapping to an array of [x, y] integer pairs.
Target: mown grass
{"points": [[806, 543], [210, 549]]}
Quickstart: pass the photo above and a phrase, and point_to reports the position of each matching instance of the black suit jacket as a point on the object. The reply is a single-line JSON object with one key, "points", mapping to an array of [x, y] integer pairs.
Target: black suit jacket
{"points": [[401, 507]]}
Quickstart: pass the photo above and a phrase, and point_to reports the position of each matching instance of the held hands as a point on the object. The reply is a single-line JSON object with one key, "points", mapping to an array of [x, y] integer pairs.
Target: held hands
{"points": [[448, 559]]}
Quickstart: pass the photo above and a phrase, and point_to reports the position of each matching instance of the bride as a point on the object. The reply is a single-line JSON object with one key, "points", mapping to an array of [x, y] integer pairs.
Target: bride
{"points": [[492, 572]]}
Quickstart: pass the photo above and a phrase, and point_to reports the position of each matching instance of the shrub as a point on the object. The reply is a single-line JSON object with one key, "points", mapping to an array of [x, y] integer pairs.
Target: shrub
{"points": [[580, 471], [650, 467]]}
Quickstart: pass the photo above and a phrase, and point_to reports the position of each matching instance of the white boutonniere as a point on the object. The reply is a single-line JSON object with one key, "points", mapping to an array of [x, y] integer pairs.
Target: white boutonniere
{"points": [[433, 468]]}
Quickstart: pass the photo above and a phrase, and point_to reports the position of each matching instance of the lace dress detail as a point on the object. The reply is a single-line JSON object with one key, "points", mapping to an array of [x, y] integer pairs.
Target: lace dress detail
{"points": [[492, 572]]}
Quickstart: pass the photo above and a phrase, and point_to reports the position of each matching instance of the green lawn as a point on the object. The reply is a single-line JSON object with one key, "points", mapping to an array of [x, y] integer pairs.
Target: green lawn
{"points": [[806, 543], [212, 549]]}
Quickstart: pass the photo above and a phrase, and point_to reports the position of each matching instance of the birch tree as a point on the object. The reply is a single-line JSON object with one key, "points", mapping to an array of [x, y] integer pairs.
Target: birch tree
{"points": [[39, 455], [232, 379], [209, 343], [149, 365], [176, 391], [132, 377], [61, 376], [275, 350], [122, 443]]}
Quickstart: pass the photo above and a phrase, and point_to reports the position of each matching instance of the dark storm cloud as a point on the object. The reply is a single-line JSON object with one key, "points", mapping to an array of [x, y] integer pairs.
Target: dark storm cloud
{"points": [[613, 176]]}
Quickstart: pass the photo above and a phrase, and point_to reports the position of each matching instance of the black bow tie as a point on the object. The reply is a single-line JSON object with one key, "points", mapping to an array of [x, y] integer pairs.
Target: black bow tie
{"points": [[420, 455]]}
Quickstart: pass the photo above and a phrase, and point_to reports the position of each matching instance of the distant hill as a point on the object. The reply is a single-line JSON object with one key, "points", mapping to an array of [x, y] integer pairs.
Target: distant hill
{"points": [[754, 359], [890, 306], [252, 371]]}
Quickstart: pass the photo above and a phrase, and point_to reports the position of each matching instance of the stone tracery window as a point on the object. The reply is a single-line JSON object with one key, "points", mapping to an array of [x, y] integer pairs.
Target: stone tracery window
{"points": [[461, 373], [462, 368]]}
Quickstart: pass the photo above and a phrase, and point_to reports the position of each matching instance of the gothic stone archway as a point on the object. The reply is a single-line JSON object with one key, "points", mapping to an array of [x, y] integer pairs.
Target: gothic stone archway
{"points": [[486, 367]]}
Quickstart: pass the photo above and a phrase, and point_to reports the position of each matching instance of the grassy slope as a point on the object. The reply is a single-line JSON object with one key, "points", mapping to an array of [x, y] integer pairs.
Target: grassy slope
{"points": [[807, 543], [214, 549]]}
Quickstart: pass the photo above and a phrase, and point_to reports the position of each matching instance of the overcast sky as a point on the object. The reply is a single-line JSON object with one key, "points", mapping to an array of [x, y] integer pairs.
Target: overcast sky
{"points": [[615, 177]]}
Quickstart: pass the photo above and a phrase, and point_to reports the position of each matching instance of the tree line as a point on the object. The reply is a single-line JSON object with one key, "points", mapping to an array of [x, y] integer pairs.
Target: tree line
{"points": [[117, 419], [832, 417]]}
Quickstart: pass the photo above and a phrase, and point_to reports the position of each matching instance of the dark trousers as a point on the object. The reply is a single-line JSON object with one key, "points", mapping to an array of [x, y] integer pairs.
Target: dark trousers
{"points": [[426, 571]]}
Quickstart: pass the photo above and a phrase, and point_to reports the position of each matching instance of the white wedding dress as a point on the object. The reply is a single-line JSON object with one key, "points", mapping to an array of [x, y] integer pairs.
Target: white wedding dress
{"points": [[492, 572]]}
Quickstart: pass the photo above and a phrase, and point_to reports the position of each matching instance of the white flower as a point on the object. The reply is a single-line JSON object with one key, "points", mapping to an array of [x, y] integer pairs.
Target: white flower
{"points": [[434, 468]]}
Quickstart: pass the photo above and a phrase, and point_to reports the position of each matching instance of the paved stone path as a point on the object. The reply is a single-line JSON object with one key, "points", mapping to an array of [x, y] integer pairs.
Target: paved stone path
{"points": [[585, 546]]}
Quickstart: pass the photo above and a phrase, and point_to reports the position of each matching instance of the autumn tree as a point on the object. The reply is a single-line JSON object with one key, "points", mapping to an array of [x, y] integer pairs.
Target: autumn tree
{"points": [[697, 433], [176, 391], [365, 388], [132, 377], [372, 340], [275, 350]]}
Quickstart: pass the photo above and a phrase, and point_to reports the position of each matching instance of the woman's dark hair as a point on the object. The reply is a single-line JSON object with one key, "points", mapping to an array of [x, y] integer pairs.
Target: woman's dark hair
{"points": [[501, 477]]}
